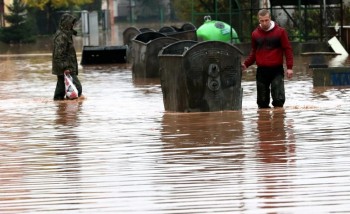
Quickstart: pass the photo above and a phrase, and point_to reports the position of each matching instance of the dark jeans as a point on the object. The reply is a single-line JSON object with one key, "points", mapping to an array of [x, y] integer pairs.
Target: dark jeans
{"points": [[270, 79], [60, 92]]}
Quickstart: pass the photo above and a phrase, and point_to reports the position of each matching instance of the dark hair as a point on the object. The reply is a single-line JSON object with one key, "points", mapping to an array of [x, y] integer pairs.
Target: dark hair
{"points": [[263, 12]]}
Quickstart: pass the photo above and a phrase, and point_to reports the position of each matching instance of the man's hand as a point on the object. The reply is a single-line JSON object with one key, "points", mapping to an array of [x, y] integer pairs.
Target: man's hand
{"points": [[289, 73], [243, 67]]}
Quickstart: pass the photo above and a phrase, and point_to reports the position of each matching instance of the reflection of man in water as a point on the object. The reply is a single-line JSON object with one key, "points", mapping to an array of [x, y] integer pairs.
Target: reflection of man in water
{"points": [[276, 143], [64, 56], [67, 113], [69, 162], [67, 120], [276, 150]]}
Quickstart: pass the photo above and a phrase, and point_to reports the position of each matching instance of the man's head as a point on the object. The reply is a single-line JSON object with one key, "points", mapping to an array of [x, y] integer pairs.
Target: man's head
{"points": [[264, 19]]}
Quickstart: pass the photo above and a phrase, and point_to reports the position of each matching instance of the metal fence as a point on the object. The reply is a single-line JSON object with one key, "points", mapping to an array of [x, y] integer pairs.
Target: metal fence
{"points": [[312, 20]]}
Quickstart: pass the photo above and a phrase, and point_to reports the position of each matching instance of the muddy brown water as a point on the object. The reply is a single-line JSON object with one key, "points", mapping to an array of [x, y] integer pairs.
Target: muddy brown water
{"points": [[118, 151]]}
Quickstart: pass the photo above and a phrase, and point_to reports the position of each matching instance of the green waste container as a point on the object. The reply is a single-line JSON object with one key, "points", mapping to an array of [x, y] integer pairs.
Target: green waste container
{"points": [[212, 30]]}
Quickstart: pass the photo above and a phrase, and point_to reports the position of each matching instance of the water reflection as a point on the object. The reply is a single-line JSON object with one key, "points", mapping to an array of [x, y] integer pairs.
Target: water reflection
{"points": [[338, 61], [63, 170], [203, 157], [67, 113], [67, 120], [276, 152], [147, 85], [12, 171], [196, 130], [276, 139], [7, 66]]}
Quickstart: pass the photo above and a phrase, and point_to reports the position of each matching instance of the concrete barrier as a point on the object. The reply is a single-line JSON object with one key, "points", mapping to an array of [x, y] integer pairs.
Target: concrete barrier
{"points": [[332, 76], [318, 59]]}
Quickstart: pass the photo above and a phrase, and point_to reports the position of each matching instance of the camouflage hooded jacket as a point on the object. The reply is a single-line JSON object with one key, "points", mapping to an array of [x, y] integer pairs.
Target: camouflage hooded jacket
{"points": [[64, 55]]}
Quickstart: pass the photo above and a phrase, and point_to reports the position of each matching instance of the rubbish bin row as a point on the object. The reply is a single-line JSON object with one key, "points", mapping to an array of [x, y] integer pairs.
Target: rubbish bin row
{"points": [[186, 32], [195, 76]]}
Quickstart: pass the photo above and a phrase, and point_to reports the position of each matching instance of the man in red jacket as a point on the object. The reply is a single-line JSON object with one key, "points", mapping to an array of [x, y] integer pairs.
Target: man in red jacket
{"points": [[269, 46]]}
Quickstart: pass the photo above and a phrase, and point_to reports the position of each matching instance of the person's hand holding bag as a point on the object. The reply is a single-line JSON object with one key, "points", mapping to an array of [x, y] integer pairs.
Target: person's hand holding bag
{"points": [[71, 90]]}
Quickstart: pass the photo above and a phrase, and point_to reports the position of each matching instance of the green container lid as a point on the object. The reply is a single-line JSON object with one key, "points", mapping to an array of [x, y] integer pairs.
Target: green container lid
{"points": [[213, 30]]}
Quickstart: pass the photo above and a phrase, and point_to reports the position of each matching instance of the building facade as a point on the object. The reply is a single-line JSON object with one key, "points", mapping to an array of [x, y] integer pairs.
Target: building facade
{"points": [[4, 10], [133, 10]]}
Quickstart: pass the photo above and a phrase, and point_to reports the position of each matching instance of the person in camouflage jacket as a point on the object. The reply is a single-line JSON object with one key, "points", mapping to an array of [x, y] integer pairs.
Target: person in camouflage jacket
{"points": [[64, 57]]}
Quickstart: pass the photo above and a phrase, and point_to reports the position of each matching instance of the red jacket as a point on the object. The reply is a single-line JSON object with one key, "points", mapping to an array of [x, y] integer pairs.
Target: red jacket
{"points": [[268, 48]]}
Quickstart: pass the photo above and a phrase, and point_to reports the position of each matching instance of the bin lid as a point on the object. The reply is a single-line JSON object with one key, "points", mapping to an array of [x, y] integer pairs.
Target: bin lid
{"points": [[148, 36]]}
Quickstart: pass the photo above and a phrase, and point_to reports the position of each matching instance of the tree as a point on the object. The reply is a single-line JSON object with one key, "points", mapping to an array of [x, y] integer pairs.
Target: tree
{"points": [[19, 29], [148, 9], [47, 12], [202, 8], [41, 4], [95, 5], [196, 10]]}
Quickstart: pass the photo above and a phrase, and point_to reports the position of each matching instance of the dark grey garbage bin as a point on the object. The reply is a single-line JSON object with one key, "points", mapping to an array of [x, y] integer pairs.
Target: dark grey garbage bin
{"points": [[145, 49], [129, 34], [186, 32], [201, 76]]}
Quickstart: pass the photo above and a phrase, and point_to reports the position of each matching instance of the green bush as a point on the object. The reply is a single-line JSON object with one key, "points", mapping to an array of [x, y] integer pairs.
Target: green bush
{"points": [[20, 29]]}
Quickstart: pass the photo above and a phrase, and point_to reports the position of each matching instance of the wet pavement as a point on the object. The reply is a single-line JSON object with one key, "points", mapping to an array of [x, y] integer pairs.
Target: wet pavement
{"points": [[118, 151]]}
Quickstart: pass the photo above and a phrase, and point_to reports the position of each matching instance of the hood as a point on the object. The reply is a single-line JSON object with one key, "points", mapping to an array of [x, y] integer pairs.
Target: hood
{"points": [[67, 22]]}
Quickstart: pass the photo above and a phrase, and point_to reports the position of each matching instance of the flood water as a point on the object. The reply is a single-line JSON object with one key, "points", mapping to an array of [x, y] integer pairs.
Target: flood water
{"points": [[118, 151]]}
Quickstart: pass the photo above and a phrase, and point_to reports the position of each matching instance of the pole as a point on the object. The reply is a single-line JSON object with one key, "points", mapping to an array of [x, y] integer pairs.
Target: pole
{"points": [[111, 13], [161, 16], [341, 20], [192, 12], [299, 9], [231, 34], [130, 15]]}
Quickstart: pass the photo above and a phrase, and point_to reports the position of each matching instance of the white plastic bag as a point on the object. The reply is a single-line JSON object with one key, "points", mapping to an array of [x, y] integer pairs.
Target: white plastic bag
{"points": [[71, 90]]}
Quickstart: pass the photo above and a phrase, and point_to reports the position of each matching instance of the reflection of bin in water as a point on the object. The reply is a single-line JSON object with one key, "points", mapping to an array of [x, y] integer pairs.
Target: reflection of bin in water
{"points": [[204, 76], [186, 32], [145, 49], [207, 130]]}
